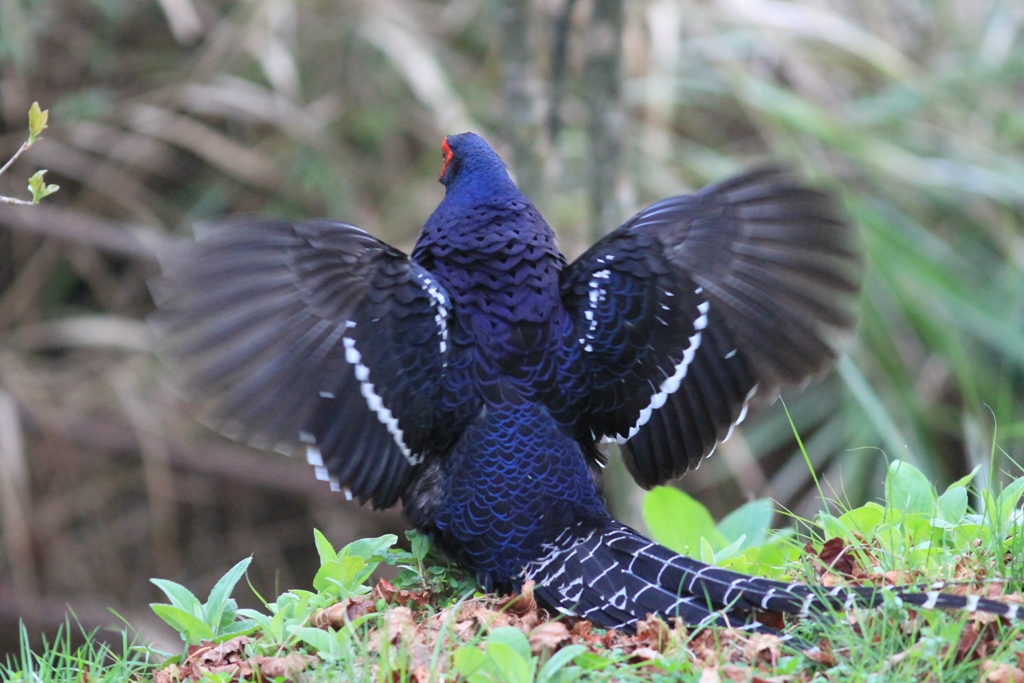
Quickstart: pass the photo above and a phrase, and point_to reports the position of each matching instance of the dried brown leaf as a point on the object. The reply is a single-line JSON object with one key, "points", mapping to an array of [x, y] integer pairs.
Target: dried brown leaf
{"points": [[386, 591], [548, 637], [523, 603], [654, 631], [763, 647], [837, 556], [736, 674], [169, 674], [998, 672], [402, 626], [344, 612], [283, 667], [710, 675]]}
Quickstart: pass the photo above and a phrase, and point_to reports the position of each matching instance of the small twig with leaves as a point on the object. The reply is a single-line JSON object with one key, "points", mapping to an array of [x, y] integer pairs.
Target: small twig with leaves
{"points": [[36, 185]]}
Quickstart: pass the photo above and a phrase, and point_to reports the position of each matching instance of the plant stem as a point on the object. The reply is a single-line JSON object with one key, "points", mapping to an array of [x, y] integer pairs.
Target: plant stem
{"points": [[17, 154], [13, 200]]}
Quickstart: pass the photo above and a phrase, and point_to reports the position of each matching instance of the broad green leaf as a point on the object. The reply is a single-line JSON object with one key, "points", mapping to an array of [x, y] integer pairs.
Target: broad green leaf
{"points": [[236, 628], [369, 548], [468, 661], [751, 519], [180, 596], [1008, 500], [213, 610], [512, 637], [707, 553], [324, 548], [952, 504], [345, 573], [265, 622], [420, 546], [907, 489], [962, 482], [730, 550], [317, 638], [509, 665], [832, 526], [678, 522], [558, 661], [864, 519], [191, 627]]}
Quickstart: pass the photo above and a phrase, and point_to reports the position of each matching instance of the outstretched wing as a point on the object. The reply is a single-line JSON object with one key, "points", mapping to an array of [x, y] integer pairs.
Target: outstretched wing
{"points": [[311, 336], [700, 300]]}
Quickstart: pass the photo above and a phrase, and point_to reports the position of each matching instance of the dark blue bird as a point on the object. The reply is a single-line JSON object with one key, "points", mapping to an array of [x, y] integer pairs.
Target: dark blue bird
{"points": [[475, 380]]}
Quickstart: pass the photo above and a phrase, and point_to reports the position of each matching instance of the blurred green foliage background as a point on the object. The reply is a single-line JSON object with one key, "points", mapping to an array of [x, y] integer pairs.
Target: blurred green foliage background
{"points": [[164, 112]]}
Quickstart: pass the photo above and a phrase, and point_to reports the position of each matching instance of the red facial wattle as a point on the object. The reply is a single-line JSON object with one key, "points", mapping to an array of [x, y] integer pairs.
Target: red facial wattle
{"points": [[448, 156]]}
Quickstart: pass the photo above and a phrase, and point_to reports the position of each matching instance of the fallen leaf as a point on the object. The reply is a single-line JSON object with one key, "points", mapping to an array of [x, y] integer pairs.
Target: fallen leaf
{"points": [[522, 603], [344, 612], [547, 637], [386, 591], [837, 556], [654, 631], [283, 667], [401, 625], [997, 672], [736, 674], [710, 675], [169, 674], [764, 647]]}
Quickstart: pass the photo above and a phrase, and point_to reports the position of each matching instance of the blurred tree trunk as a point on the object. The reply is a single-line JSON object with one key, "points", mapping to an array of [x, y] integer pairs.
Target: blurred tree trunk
{"points": [[602, 88], [519, 86]]}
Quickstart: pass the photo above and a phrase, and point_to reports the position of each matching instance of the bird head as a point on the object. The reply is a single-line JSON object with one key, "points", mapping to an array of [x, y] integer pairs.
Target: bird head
{"points": [[468, 159]]}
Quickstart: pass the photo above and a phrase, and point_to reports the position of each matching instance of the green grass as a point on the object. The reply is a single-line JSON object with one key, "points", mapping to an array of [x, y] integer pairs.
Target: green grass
{"points": [[430, 625]]}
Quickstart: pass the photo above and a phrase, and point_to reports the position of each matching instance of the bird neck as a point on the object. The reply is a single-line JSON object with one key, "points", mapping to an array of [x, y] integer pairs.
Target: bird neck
{"points": [[481, 180]]}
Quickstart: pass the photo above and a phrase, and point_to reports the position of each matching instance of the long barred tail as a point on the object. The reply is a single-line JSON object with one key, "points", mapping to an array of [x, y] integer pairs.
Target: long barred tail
{"points": [[613, 577]]}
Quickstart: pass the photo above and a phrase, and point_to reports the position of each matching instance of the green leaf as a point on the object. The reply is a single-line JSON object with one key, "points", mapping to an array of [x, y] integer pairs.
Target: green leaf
{"points": [[38, 188], [752, 520], [36, 122], [558, 661], [317, 638], [907, 489], [262, 620], [864, 520], [730, 551], [512, 637], [679, 522], [420, 546], [324, 548], [510, 666], [832, 526], [345, 573], [468, 661], [215, 605], [369, 548], [962, 482], [236, 628], [180, 596], [952, 504], [1008, 500], [707, 553], [191, 627]]}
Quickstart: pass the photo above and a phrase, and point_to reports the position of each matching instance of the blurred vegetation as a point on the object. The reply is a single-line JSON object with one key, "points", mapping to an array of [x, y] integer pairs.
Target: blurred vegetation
{"points": [[170, 111]]}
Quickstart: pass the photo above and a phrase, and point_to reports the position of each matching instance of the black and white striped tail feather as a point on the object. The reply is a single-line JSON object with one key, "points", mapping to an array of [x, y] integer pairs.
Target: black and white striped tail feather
{"points": [[615, 577]]}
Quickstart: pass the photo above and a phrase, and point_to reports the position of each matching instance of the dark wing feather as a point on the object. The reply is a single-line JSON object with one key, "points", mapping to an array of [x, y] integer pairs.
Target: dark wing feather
{"points": [[311, 336], [700, 300]]}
